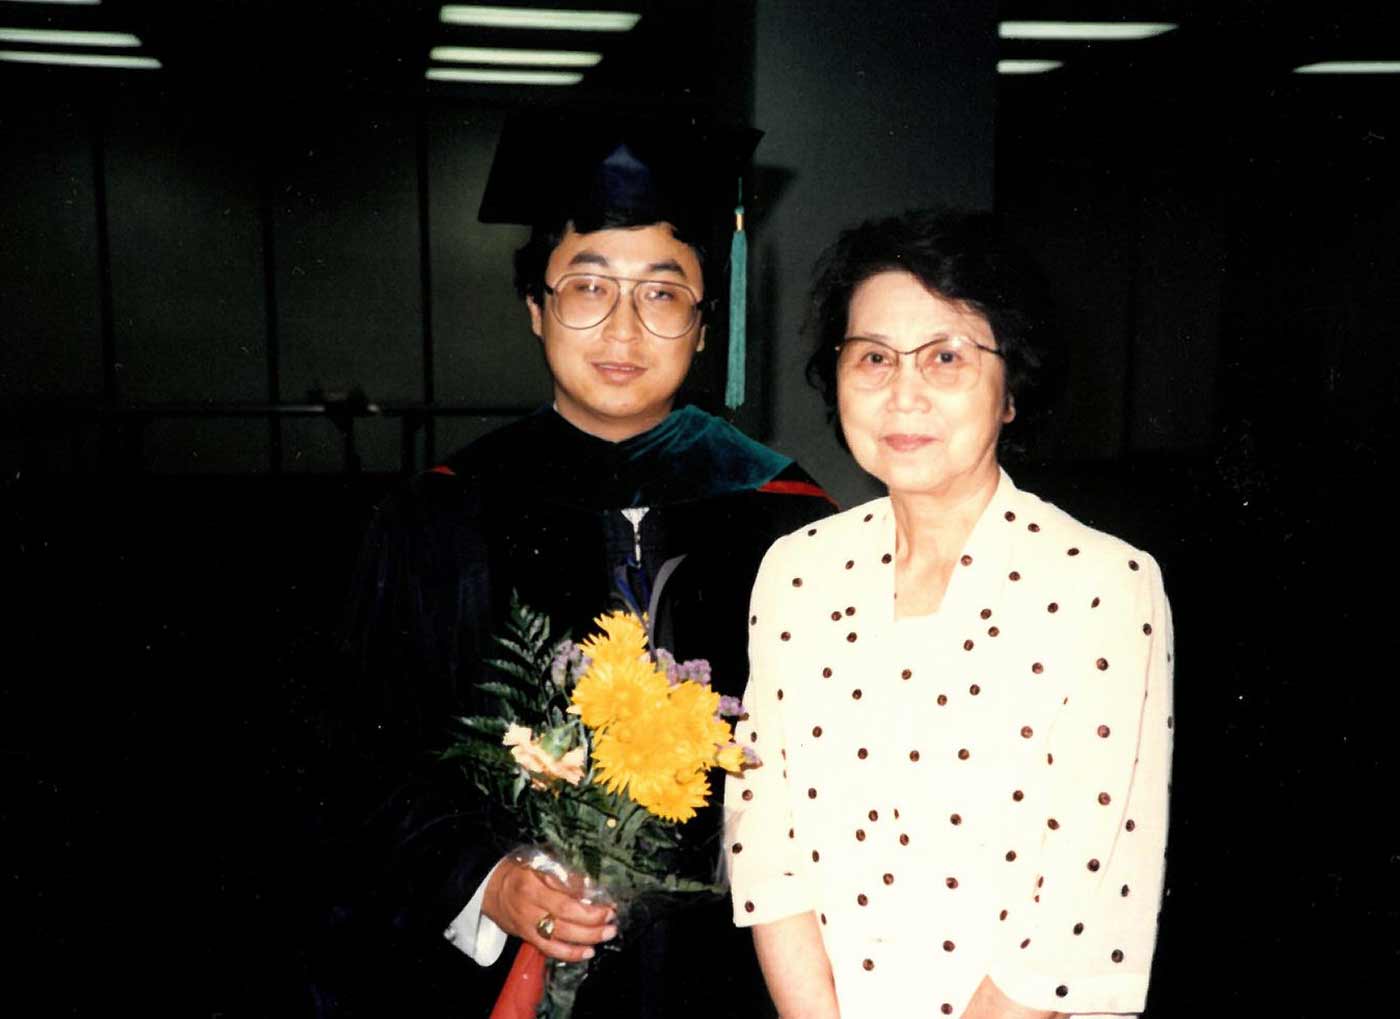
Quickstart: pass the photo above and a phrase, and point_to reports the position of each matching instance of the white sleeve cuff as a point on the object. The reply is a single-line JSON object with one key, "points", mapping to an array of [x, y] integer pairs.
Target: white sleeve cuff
{"points": [[474, 933]]}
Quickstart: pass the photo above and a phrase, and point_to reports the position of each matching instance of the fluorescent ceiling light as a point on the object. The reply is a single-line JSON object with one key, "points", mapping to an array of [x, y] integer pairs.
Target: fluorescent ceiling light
{"points": [[535, 17], [80, 59], [48, 37], [504, 77], [1083, 31], [1027, 66], [1351, 67], [516, 58]]}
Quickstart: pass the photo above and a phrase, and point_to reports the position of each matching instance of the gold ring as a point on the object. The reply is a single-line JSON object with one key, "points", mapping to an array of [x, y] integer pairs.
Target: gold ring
{"points": [[545, 926]]}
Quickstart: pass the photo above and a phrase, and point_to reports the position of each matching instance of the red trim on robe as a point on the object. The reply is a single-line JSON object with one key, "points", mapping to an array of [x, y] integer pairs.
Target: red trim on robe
{"points": [[524, 986], [443, 469], [796, 488]]}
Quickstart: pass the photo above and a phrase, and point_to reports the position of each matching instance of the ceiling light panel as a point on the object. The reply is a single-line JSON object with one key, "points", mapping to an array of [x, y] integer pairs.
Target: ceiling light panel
{"points": [[482, 76], [1083, 31], [1350, 67], [514, 57], [536, 17], [79, 60], [1027, 66], [50, 37]]}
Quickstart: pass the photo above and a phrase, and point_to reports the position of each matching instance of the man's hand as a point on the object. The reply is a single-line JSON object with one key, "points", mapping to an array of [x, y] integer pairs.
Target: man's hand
{"points": [[517, 897]]}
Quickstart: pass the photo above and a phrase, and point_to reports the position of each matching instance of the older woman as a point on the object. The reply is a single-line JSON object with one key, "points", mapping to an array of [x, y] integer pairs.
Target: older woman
{"points": [[961, 696]]}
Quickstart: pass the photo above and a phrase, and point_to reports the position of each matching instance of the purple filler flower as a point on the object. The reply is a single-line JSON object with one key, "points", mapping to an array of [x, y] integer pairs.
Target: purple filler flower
{"points": [[730, 707]]}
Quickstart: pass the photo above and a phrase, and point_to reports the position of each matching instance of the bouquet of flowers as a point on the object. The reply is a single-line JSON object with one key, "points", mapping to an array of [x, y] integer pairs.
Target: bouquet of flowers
{"points": [[598, 753]]}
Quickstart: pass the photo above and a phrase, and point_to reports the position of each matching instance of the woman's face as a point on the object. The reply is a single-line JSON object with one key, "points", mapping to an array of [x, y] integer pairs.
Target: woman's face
{"points": [[916, 435]]}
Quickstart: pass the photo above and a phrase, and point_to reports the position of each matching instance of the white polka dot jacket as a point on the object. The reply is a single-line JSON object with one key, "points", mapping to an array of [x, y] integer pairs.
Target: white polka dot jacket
{"points": [[977, 792]]}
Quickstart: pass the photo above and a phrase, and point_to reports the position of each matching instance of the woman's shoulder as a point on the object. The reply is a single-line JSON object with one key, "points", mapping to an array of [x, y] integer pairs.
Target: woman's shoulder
{"points": [[1063, 536]]}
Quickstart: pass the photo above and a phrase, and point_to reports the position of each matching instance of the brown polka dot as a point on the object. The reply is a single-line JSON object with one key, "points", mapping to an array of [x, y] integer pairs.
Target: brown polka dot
{"points": [[942, 699], [1131, 825], [966, 560], [946, 1008], [753, 737], [1105, 799], [785, 636], [855, 695], [888, 879], [816, 856], [887, 559], [903, 840], [823, 918], [986, 613], [1018, 796], [951, 882], [1133, 564], [748, 907], [874, 815], [1124, 891], [1093, 865], [1102, 664], [948, 946], [1104, 731], [811, 794], [1033, 528], [792, 833], [817, 730], [1027, 732], [850, 563], [913, 755], [1010, 516], [1011, 856], [974, 689], [896, 813], [1170, 721], [1052, 824], [748, 794], [1052, 607], [850, 610], [1014, 575], [993, 631], [906, 674], [1040, 881], [835, 616], [1025, 943], [780, 694], [1147, 628], [1117, 955], [1061, 991], [826, 673], [1095, 603], [796, 581], [861, 900], [967, 645], [753, 620], [963, 754], [862, 753], [1002, 916], [851, 637], [1037, 668], [868, 964], [1049, 758], [955, 819], [811, 531], [736, 849], [860, 834], [1071, 551]]}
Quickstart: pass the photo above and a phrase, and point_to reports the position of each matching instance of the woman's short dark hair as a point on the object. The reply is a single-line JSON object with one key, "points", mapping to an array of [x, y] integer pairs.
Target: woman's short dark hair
{"points": [[962, 257]]}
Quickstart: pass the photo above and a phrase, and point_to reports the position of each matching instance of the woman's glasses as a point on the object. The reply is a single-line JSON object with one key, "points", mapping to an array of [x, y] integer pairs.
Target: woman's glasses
{"points": [[950, 363]]}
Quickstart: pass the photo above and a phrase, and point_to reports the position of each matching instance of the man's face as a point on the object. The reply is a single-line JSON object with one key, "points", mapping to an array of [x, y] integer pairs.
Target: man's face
{"points": [[616, 379]]}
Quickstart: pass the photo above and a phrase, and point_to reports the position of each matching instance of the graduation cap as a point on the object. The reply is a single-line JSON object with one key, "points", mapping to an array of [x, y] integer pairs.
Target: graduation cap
{"points": [[597, 169]]}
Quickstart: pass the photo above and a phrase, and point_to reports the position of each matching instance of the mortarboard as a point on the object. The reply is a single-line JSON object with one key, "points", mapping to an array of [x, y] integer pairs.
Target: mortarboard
{"points": [[579, 165]]}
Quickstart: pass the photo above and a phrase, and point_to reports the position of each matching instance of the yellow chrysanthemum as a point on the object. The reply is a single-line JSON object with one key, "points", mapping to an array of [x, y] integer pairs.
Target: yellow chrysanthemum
{"points": [[694, 725], [622, 689], [624, 638], [731, 758], [678, 798]]}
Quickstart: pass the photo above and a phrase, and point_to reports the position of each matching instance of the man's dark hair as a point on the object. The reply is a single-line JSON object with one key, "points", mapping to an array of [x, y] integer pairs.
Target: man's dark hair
{"points": [[963, 257]]}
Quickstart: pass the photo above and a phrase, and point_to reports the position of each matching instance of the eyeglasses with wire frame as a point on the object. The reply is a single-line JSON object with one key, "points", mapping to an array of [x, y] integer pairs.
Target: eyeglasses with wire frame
{"points": [[949, 363], [665, 308]]}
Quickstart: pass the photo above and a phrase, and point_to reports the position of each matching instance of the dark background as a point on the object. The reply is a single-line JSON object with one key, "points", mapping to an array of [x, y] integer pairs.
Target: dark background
{"points": [[285, 213]]}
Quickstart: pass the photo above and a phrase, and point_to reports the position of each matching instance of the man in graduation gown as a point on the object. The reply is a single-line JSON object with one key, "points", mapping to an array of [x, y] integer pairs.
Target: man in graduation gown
{"points": [[610, 498]]}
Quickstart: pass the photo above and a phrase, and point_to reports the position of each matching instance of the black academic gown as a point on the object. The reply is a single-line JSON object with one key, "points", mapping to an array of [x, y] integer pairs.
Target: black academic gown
{"points": [[534, 508]]}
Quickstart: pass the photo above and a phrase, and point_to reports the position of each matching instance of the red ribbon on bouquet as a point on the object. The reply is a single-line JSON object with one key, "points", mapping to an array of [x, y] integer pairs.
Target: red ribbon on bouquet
{"points": [[524, 986]]}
